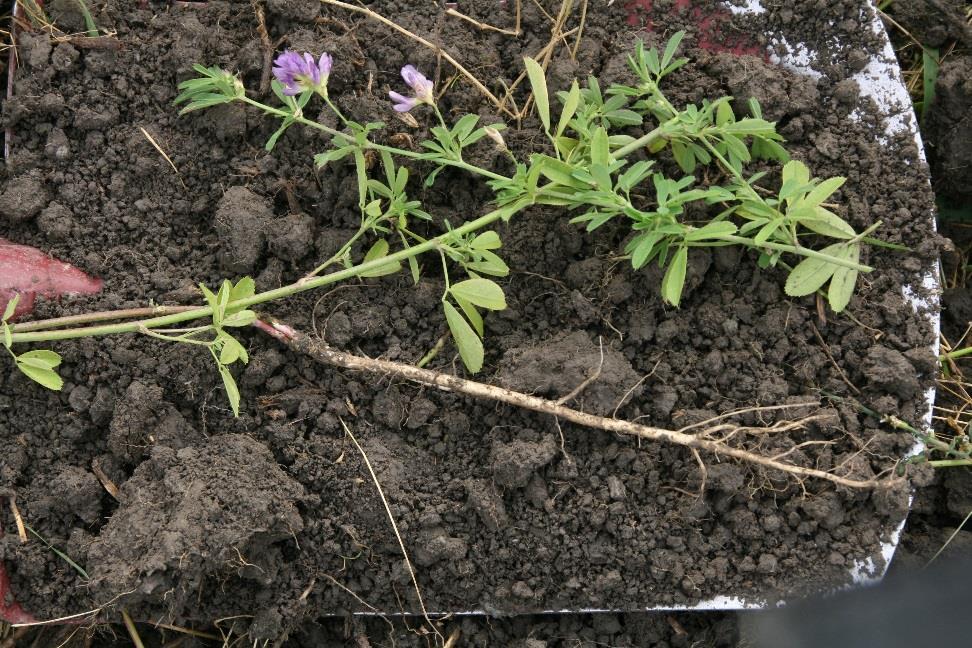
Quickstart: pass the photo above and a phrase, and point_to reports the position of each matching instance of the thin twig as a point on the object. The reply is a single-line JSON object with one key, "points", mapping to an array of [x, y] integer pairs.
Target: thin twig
{"points": [[265, 43], [587, 381], [398, 536], [826, 350], [484, 26], [164, 154], [104, 479], [18, 520], [321, 352], [441, 52]]}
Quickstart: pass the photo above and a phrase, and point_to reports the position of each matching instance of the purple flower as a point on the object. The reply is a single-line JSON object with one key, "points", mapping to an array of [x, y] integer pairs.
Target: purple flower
{"points": [[298, 73], [421, 86]]}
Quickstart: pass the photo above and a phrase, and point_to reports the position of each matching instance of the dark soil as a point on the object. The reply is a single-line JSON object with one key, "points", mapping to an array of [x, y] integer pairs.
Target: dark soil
{"points": [[273, 514]]}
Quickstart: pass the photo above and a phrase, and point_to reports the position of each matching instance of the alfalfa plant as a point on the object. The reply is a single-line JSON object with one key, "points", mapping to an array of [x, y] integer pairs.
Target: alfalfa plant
{"points": [[597, 172]]}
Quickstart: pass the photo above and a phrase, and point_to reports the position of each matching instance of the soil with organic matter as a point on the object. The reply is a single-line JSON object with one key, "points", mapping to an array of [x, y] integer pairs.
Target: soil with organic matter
{"points": [[273, 515]]}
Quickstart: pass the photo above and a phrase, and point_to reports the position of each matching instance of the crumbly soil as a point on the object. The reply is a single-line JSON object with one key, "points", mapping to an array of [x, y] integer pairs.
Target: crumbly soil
{"points": [[273, 514]]}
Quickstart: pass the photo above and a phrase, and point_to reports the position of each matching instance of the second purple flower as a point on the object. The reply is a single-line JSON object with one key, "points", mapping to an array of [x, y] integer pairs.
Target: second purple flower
{"points": [[419, 84]]}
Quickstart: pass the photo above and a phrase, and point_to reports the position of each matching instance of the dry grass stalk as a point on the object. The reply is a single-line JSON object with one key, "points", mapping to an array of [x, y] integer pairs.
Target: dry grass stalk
{"points": [[398, 536]]}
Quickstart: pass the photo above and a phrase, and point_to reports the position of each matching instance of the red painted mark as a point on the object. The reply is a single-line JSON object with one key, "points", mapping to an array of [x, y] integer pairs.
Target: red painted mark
{"points": [[29, 272], [711, 34]]}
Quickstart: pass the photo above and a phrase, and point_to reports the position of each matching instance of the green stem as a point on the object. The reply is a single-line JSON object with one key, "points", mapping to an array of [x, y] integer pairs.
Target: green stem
{"points": [[415, 155], [802, 251], [950, 463], [955, 355], [299, 286], [645, 140]]}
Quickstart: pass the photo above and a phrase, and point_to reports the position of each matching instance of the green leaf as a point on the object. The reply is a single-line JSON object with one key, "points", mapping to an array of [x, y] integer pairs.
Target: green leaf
{"points": [[240, 318], [570, 107], [797, 171], [377, 251], [465, 126], [41, 358], [767, 231], [322, 159], [724, 114], [644, 249], [232, 391], [844, 279], [469, 345], [231, 350], [7, 335], [539, 83], [600, 151], [471, 314], [711, 230], [287, 122], [829, 224], [824, 190], [810, 274], [11, 307], [480, 292], [486, 241], [489, 264], [373, 208], [44, 376], [209, 295], [244, 289], [674, 279], [671, 48]]}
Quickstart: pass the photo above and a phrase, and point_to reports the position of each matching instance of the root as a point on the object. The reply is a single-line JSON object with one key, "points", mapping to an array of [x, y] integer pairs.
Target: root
{"points": [[321, 352], [432, 46]]}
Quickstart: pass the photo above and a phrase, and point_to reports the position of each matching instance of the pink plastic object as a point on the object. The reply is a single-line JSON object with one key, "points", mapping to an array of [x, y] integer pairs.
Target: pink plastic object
{"points": [[710, 37], [29, 272]]}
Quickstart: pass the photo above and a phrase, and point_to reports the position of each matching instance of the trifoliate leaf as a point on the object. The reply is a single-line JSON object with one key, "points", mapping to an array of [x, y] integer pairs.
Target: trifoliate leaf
{"points": [[41, 358], [46, 377]]}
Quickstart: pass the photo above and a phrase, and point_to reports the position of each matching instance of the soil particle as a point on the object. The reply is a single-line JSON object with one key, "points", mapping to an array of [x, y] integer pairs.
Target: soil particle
{"points": [[301, 11], [176, 512], [891, 370], [56, 221], [291, 237], [72, 492], [23, 198], [558, 366], [514, 463], [241, 220], [486, 501], [141, 419], [948, 130]]}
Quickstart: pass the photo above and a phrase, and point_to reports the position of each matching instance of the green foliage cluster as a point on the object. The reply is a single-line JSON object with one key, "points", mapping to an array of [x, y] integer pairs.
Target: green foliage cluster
{"points": [[602, 166]]}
